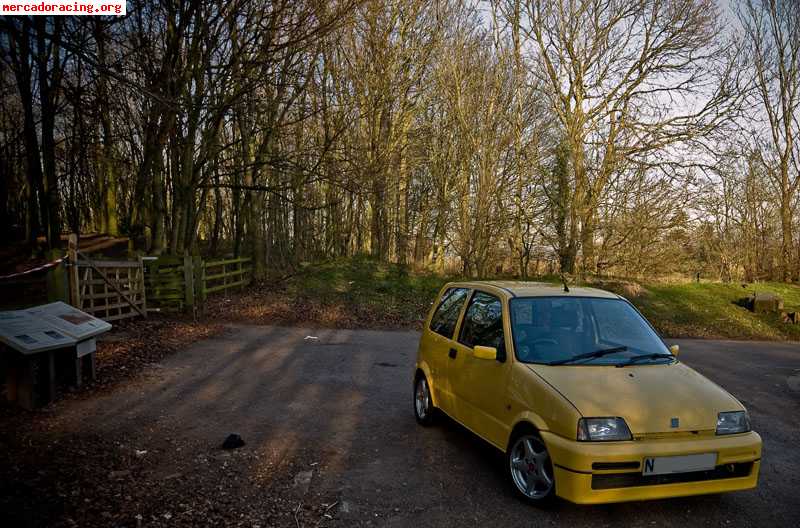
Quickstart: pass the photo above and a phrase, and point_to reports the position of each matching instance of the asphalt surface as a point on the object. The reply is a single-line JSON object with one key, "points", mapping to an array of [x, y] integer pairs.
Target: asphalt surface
{"points": [[338, 402]]}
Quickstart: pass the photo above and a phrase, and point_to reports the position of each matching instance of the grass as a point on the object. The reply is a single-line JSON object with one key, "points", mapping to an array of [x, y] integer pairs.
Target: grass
{"points": [[361, 292], [358, 292], [710, 310], [376, 292]]}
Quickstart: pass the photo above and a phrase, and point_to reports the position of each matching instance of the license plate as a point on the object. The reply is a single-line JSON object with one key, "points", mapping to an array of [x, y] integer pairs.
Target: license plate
{"points": [[679, 464]]}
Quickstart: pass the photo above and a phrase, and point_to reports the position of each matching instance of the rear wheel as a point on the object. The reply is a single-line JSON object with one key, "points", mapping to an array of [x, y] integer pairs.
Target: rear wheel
{"points": [[530, 468], [423, 403]]}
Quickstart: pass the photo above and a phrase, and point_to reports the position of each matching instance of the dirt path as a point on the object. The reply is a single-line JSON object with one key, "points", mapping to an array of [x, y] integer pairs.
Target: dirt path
{"points": [[331, 441]]}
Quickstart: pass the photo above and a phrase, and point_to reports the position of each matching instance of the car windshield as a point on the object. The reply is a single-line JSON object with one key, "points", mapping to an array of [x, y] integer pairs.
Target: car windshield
{"points": [[583, 331]]}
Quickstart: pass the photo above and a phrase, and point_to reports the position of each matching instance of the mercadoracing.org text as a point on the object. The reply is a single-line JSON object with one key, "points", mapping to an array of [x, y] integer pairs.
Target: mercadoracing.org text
{"points": [[62, 7]]}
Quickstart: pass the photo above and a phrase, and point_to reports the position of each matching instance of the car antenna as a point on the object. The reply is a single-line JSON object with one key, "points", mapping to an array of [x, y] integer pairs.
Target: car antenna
{"points": [[564, 282]]}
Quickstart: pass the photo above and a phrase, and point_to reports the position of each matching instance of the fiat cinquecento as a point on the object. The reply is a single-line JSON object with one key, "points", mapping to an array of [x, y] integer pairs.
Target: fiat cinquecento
{"points": [[581, 394]]}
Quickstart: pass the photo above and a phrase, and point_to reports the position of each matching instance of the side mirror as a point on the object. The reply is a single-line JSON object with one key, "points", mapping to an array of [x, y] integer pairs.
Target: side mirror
{"points": [[674, 349], [484, 352]]}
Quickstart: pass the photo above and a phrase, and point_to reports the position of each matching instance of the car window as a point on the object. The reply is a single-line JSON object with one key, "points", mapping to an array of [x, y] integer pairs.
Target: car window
{"points": [[553, 329], [445, 318], [614, 326], [483, 322]]}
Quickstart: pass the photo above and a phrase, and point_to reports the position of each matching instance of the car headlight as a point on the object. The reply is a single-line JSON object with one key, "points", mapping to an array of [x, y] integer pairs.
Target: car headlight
{"points": [[603, 429], [733, 422]]}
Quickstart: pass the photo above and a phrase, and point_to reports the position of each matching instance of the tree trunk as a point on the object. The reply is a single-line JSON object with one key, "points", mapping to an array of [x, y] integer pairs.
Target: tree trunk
{"points": [[21, 53], [378, 232], [401, 233], [49, 82], [786, 236], [107, 174], [158, 212], [588, 265]]}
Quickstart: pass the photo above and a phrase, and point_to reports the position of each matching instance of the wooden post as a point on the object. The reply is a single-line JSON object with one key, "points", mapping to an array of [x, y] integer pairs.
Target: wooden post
{"points": [[199, 280], [90, 364], [240, 276], [50, 374], [74, 286], [57, 288], [142, 288], [188, 282], [77, 369], [152, 271]]}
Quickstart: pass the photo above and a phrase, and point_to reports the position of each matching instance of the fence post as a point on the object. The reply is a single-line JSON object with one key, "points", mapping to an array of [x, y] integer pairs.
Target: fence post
{"points": [[188, 282], [72, 255], [143, 289], [57, 280], [199, 280]]}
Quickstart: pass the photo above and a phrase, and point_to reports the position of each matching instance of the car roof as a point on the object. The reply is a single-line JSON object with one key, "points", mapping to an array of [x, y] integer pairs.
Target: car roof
{"points": [[536, 289]]}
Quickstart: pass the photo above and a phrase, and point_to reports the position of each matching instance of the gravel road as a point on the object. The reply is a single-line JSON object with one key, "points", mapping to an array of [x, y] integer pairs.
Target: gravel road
{"points": [[332, 441]]}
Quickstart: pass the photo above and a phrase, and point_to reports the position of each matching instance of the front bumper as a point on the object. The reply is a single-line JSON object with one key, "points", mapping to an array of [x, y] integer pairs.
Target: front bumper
{"points": [[600, 472]]}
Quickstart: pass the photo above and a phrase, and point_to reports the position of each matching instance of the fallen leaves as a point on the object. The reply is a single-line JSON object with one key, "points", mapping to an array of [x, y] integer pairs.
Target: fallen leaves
{"points": [[277, 306], [135, 344], [59, 480], [57, 473]]}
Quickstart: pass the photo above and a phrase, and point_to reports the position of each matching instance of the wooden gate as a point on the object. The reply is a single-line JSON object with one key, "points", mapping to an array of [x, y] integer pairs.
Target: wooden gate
{"points": [[108, 289]]}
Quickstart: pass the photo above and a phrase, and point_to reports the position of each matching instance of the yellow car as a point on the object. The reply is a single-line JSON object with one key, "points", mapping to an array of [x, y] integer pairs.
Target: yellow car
{"points": [[581, 394]]}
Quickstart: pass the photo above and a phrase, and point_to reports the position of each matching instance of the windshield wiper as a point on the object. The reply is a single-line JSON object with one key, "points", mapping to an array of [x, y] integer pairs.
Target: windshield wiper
{"points": [[636, 359], [590, 355]]}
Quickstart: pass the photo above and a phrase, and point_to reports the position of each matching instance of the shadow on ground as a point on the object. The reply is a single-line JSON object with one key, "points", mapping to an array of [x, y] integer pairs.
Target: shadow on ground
{"points": [[331, 441]]}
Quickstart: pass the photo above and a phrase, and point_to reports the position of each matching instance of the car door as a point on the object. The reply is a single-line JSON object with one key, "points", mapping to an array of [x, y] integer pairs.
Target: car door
{"points": [[479, 385], [438, 344]]}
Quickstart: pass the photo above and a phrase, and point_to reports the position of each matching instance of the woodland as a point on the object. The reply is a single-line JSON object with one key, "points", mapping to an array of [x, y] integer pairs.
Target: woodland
{"points": [[635, 138]]}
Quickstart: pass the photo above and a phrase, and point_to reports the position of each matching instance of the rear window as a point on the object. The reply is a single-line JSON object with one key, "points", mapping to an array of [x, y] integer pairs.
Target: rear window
{"points": [[445, 317]]}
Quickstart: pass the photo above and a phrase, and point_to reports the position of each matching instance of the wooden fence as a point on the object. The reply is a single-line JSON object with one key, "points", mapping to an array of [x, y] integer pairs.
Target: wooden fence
{"points": [[166, 281], [118, 289], [222, 275], [184, 283]]}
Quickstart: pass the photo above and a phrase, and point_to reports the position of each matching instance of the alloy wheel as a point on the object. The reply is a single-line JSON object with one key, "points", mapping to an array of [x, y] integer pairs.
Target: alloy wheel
{"points": [[422, 399], [531, 468]]}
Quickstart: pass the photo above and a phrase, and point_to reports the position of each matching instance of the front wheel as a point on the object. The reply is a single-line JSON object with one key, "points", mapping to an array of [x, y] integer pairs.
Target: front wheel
{"points": [[423, 403], [530, 468]]}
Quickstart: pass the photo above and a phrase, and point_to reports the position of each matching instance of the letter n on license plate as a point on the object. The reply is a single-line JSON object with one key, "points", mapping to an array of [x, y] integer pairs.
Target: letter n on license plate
{"points": [[679, 464]]}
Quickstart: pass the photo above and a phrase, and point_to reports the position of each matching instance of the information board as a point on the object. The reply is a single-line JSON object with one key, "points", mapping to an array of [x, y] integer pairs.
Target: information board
{"points": [[69, 320], [29, 335], [47, 327]]}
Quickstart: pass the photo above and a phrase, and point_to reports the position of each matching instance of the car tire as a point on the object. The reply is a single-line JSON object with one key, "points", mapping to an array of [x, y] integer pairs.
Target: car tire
{"points": [[529, 467], [424, 411]]}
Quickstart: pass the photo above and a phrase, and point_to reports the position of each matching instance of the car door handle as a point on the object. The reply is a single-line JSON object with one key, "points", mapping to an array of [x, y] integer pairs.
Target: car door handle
{"points": [[452, 353]]}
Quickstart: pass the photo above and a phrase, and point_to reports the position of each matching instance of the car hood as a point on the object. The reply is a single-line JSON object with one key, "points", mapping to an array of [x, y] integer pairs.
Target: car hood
{"points": [[648, 397]]}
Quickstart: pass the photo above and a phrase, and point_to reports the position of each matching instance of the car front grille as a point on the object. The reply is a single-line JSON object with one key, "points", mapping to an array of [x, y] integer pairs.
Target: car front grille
{"points": [[629, 480], [673, 435]]}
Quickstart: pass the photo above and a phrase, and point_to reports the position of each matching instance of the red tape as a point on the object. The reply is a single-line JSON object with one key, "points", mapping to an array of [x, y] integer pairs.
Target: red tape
{"points": [[34, 270]]}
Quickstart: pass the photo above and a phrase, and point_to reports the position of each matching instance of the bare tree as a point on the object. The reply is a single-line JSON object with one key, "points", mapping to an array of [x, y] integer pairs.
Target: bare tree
{"points": [[772, 33], [627, 80]]}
